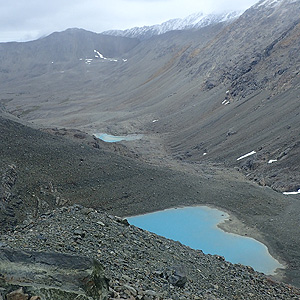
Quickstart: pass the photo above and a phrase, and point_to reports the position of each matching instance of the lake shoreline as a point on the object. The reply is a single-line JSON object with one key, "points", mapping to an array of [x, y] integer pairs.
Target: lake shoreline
{"points": [[230, 191], [233, 225]]}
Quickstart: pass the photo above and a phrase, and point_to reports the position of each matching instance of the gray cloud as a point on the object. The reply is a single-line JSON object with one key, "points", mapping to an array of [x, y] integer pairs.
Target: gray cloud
{"points": [[25, 20]]}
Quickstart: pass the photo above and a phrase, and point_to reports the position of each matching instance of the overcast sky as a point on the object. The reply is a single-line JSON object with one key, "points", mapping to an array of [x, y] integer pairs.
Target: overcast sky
{"points": [[23, 20]]}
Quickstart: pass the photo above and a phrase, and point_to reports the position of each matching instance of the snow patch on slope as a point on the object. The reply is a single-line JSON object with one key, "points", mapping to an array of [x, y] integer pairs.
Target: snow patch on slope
{"points": [[292, 193], [272, 161], [100, 56], [246, 155]]}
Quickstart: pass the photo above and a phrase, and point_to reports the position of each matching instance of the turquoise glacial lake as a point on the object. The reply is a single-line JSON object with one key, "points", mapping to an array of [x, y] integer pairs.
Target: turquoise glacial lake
{"points": [[197, 228], [114, 138]]}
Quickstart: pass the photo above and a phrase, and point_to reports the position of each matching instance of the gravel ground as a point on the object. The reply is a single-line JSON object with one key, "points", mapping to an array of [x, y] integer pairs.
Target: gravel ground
{"points": [[140, 264]]}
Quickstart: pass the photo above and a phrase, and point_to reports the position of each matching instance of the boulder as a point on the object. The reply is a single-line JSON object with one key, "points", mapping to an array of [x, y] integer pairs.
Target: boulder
{"points": [[17, 295], [176, 276]]}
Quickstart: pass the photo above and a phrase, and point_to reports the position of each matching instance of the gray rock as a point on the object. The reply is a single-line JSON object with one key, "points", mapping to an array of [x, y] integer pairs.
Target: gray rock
{"points": [[176, 276], [120, 220], [51, 276], [17, 295], [151, 293], [79, 232], [87, 211], [178, 280], [130, 289]]}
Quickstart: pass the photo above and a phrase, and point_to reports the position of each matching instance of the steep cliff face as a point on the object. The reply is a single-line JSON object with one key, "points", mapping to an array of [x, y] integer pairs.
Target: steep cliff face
{"points": [[249, 53]]}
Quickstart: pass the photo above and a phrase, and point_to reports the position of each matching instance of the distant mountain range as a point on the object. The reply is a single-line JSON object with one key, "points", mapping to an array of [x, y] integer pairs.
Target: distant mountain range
{"points": [[194, 21], [207, 88]]}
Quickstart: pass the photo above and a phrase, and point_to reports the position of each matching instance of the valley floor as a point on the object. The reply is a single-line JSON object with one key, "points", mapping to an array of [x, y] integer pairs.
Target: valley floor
{"points": [[255, 211], [144, 178]]}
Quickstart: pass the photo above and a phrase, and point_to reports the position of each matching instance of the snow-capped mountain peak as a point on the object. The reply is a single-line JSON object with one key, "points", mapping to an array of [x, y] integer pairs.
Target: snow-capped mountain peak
{"points": [[193, 21], [272, 3]]}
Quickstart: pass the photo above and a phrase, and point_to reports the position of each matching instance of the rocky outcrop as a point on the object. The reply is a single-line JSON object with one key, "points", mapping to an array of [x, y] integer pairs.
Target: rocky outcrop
{"points": [[27, 275], [9, 202], [8, 180]]}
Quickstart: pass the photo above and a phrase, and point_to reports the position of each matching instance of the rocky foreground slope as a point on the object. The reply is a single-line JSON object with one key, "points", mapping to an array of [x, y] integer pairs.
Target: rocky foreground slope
{"points": [[139, 264]]}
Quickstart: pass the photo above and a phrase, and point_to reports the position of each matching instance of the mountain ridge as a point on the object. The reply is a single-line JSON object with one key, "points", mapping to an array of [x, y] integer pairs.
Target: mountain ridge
{"points": [[193, 21], [217, 61]]}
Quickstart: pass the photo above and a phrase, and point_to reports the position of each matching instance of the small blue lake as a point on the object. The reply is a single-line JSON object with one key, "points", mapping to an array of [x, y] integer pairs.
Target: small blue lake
{"points": [[197, 228], [114, 138]]}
